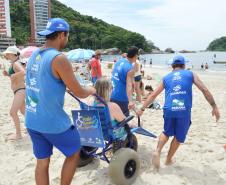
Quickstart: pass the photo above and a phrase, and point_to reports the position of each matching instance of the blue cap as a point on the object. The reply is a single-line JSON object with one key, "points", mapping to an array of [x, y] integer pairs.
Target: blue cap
{"points": [[53, 25], [178, 60]]}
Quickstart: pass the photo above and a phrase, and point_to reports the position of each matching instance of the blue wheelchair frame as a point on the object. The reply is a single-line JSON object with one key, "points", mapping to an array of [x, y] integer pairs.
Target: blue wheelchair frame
{"points": [[107, 129]]}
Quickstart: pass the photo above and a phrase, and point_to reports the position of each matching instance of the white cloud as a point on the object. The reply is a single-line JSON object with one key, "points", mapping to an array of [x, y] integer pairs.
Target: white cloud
{"points": [[180, 24], [187, 24]]}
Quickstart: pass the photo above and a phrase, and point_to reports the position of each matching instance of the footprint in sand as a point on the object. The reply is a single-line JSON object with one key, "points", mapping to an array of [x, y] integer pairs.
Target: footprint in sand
{"points": [[56, 180]]}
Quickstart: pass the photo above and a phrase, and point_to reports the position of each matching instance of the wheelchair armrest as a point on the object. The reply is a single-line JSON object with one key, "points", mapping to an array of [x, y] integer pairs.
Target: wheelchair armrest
{"points": [[125, 121]]}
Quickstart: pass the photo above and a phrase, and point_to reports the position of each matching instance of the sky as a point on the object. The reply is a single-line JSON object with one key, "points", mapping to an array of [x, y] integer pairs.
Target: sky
{"points": [[178, 24]]}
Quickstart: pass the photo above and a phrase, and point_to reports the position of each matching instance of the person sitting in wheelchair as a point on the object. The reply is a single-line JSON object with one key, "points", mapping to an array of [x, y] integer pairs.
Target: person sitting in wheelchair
{"points": [[103, 88]]}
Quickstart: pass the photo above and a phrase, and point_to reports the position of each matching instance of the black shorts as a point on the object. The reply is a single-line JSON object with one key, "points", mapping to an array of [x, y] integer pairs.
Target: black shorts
{"points": [[123, 106], [137, 78]]}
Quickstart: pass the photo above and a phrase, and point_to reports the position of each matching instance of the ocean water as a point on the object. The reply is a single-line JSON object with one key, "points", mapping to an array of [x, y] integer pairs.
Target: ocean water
{"points": [[195, 60]]}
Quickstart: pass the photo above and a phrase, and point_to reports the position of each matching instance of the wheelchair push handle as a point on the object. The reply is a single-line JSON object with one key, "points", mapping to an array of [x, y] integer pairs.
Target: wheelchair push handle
{"points": [[95, 95], [125, 121], [100, 99], [72, 94]]}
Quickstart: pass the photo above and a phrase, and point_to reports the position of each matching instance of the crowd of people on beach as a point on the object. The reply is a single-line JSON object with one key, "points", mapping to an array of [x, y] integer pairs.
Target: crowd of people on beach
{"points": [[49, 74]]}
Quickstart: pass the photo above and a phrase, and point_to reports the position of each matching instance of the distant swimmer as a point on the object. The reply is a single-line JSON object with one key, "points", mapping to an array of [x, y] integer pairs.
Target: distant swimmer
{"points": [[202, 66], [206, 66]]}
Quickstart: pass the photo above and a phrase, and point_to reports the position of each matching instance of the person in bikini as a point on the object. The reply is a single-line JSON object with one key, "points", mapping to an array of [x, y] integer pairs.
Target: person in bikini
{"points": [[16, 74]]}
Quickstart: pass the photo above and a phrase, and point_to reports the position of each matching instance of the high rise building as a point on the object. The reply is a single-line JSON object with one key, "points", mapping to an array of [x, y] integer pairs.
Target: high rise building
{"points": [[40, 12], [5, 27]]}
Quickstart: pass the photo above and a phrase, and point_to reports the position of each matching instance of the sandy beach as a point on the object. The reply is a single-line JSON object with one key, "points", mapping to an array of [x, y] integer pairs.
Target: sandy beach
{"points": [[200, 161]]}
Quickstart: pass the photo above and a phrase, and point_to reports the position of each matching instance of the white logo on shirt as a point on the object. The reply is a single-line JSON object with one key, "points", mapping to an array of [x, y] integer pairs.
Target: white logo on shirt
{"points": [[34, 67], [33, 81], [177, 88], [176, 76]]}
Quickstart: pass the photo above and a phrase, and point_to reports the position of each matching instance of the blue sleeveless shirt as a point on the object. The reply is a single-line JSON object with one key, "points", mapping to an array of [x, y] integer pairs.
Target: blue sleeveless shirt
{"points": [[119, 74], [178, 93], [45, 95]]}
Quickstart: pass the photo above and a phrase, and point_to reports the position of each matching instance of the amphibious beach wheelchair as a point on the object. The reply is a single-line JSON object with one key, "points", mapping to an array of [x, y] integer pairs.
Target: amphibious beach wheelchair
{"points": [[99, 137]]}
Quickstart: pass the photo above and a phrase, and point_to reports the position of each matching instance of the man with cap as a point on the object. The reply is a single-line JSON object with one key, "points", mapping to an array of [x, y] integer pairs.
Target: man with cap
{"points": [[177, 107], [48, 74], [95, 67]]}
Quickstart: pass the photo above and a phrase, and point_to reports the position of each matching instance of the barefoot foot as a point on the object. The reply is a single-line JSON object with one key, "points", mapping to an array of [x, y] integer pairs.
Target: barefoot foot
{"points": [[170, 162], [14, 137], [156, 160]]}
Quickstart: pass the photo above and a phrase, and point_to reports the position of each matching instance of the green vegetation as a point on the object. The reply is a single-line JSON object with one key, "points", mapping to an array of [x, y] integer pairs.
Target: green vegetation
{"points": [[20, 21], [85, 32], [218, 45]]}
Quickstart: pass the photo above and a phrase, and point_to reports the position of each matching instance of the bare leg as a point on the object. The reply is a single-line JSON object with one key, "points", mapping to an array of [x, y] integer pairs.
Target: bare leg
{"points": [[18, 102], [173, 148], [69, 168], [156, 155], [138, 91], [42, 171], [22, 108]]}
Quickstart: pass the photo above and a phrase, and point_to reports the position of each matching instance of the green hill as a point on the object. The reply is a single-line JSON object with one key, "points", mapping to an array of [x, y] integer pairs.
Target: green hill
{"points": [[86, 31], [218, 45]]}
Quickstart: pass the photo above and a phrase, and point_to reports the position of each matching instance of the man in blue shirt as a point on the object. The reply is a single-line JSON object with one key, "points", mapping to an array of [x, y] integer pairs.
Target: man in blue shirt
{"points": [[48, 74], [177, 107], [122, 80]]}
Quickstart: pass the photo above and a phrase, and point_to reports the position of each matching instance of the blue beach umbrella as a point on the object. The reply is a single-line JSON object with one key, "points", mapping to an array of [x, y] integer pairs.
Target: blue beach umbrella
{"points": [[80, 54]]}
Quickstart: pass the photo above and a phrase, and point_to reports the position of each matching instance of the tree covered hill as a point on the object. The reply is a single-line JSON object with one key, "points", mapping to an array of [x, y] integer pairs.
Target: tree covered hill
{"points": [[218, 44], [85, 32]]}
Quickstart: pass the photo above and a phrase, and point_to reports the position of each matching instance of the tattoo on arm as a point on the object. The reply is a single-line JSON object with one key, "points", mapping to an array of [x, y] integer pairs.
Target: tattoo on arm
{"points": [[208, 96]]}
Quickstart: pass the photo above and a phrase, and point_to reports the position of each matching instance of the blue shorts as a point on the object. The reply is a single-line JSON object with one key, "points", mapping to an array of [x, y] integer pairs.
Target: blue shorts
{"points": [[137, 78], [67, 142], [123, 106], [177, 127], [94, 79]]}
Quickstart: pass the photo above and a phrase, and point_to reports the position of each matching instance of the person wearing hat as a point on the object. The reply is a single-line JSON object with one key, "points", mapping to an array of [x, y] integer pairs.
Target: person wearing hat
{"points": [[16, 74], [48, 75], [177, 107], [95, 67]]}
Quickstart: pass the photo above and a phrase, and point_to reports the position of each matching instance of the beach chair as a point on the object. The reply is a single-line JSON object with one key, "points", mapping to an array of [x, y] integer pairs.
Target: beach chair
{"points": [[99, 137]]}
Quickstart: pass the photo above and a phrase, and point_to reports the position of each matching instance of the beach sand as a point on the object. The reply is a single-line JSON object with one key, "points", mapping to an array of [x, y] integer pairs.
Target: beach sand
{"points": [[200, 161]]}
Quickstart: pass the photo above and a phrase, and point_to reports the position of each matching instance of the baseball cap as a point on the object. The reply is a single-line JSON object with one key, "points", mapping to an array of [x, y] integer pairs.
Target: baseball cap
{"points": [[12, 49], [178, 59], [53, 25]]}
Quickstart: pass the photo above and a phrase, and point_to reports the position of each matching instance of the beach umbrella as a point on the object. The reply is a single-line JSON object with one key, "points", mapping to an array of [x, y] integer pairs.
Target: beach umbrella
{"points": [[80, 54], [27, 52]]}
